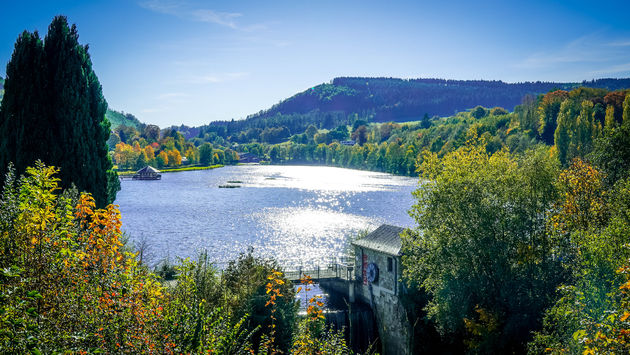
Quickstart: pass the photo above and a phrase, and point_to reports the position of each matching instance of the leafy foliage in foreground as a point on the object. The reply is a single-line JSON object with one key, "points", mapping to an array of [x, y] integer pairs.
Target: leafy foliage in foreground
{"points": [[67, 284], [517, 255], [480, 248]]}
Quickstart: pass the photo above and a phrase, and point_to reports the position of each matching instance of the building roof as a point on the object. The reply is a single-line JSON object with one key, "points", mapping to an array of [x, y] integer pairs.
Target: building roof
{"points": [[148, 170], [385, 239]]}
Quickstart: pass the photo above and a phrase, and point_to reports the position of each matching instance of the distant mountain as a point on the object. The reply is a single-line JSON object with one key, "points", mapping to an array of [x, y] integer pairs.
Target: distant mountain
{"points": [[390, 99], [346, 99], [120, 118]]}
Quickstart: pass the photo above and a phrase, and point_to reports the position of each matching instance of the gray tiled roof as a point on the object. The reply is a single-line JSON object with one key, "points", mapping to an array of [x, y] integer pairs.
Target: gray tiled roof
{"points": [[385, 239], [147, 169]]}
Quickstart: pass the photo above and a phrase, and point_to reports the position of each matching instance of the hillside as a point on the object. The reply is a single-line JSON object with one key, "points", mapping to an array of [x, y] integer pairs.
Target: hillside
{"points": [[120, 118], [346, 99], [390, 99]]}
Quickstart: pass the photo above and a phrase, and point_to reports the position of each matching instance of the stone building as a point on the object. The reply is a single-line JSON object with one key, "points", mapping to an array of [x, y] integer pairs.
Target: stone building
{"points": [[377, 283]]}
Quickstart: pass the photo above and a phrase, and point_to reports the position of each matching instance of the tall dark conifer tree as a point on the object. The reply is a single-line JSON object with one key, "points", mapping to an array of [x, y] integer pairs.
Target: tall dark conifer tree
{"points": [[54, 110], [24, 126]]}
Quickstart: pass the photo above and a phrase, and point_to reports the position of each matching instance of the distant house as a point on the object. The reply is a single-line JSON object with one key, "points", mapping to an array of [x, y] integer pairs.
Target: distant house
{"points": [[348, 142], [147, 173], [247, 158]]}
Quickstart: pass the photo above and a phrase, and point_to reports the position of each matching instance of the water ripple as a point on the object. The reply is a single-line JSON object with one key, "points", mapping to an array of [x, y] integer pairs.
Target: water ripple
{"points": [[296, 214]]}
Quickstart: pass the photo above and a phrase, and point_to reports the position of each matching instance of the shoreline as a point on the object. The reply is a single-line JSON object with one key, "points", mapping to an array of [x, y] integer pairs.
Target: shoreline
{"points": [[174, 170]]}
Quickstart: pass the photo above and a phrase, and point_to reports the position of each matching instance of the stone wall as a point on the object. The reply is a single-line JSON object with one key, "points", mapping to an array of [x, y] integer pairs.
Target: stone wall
{"points": [[382, 296]]}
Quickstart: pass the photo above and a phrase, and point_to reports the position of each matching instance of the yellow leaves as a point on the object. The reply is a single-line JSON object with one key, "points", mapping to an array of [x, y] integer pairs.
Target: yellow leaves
{"points": [[625, 316]]}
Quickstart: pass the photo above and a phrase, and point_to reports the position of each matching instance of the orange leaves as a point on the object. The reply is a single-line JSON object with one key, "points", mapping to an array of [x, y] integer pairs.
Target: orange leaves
{"points": [[73, 256], [100, 233], [583, 203], [272, 288]]}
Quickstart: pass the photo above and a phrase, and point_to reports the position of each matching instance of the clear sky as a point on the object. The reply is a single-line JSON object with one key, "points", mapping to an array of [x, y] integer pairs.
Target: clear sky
{"points": [[172, 62]]}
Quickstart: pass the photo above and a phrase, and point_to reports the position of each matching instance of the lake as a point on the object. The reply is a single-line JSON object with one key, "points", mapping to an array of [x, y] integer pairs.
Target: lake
{"points": [[299, 215]]}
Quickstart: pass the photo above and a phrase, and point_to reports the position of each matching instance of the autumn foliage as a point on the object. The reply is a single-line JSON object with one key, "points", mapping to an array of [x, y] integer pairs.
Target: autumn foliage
{"points": [[68, 283]]}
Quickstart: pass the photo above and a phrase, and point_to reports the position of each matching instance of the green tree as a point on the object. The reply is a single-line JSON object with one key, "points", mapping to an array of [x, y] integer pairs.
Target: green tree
{"points": [[609, 121], [162, 159], [564, 130], [205, 154], [548, 114], [626, 110], [245, 280], [311, 131], [478, 112], [360, 135], [590, 233], [26, 134], [480, 249], [72, 130]]}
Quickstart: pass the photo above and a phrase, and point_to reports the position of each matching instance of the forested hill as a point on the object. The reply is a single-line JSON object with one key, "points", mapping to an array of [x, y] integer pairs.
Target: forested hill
{"points": [[390, 99], [120, 118]]}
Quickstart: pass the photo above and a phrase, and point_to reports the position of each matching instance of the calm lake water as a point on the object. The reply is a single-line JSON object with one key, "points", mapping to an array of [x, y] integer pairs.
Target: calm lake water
{"points": [[299, 215]]}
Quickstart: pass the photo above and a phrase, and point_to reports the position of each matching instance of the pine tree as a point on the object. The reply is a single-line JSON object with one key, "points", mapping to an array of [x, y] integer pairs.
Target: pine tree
{"points": [[54, 110]]}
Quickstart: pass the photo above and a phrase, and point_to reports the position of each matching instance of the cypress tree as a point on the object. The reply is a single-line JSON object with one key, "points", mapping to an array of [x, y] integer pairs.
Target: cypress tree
{"points": [[23, 118], [55, 100]]}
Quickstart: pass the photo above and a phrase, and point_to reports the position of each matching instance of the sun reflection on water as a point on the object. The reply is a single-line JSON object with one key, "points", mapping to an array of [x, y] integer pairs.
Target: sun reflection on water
{"points": [[299, 215], [305, 236], [319, 178]]}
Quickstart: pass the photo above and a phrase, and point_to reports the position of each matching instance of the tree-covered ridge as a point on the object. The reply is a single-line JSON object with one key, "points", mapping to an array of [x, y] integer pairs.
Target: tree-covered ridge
{"points": [[117, 119], [571, 121], [388, 99], [391, 99]]}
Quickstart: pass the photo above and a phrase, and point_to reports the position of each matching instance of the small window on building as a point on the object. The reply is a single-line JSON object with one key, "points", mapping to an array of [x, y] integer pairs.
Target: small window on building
{"points": [[390, 264]]}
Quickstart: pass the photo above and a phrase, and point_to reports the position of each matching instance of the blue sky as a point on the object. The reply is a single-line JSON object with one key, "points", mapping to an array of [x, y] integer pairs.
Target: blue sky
{"points": [[172, 62]]}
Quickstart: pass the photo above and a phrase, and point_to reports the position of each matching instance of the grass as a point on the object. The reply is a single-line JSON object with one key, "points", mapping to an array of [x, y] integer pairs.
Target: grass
{"points": [[191, 168], [174, 170]]}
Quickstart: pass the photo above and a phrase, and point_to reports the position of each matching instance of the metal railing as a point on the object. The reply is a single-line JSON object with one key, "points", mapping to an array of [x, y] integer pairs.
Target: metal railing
{"points": [[342, 271]]}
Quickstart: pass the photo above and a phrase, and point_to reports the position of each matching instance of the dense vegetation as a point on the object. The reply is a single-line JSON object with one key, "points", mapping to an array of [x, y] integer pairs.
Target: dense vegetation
{"points": [[395, 147], [53, 110], [69, 284], [528, 251], [523, 221], [388, 99], [117, 119]]}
